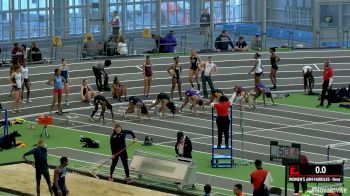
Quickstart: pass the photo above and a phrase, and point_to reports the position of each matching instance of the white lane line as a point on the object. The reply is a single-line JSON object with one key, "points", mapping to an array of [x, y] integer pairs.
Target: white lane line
{"points": [[314, 109], [216, 82], [173, 130], [318, 69], [201, 152], [213, 55], [274, 130], [300, 113]]}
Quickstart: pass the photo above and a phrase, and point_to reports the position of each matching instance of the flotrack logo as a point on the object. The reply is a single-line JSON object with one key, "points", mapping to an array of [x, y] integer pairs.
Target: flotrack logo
{"points": [[323, 190]]}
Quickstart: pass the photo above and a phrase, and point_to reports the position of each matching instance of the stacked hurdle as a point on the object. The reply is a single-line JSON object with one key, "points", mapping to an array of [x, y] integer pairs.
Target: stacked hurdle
{"points": [[6, 127]]}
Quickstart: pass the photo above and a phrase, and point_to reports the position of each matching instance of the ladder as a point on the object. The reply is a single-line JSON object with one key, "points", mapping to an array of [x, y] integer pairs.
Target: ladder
{"points": [[221, 157]]}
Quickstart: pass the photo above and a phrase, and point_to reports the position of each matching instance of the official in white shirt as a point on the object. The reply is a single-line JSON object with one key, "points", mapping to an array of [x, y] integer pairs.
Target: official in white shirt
{"points": [[207, 69]]}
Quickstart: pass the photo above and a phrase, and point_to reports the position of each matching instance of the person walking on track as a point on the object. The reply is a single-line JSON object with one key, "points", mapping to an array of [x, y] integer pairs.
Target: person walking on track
{"points": [[118, 148], [175, 71], [148, 77], [98, 70], [65, 74], [257, 69], [59, 178], [41, 165], [327, 84], [136, 102], [16, 80], [57, 81], [101, 100], [194, 69], [274, 59], [25, 81], [209, 67]]}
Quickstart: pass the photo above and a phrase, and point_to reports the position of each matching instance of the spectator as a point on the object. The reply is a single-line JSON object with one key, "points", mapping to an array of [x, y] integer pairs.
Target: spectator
{"points": [[304, 161], [258, 179], [241, 45], [168, 42], [17, 54], [34, 53], [237, 190], [122, 48], [257, 44], [89, 47], [223, 41], [205, 26], [158, 47], [183, 147], [25, 51], [111, 47], [115, 23], [327, 84], [207, 190]]}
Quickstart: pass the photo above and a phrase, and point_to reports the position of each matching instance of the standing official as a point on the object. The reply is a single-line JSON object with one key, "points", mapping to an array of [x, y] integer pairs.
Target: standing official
{"points": [[327, 83], [258, 179], [41, 165], [118, 148]]}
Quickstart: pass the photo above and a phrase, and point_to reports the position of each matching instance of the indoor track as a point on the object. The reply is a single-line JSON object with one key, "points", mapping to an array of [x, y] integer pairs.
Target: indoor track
{"points": [[313, 129]]}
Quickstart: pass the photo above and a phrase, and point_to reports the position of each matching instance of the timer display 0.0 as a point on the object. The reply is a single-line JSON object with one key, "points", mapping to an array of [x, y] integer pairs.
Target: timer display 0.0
{"points": [[316, 173]]}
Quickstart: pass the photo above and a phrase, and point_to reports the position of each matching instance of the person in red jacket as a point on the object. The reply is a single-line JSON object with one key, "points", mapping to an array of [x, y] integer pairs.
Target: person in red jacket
{"points": [[257, 179], [327, 83], [305, 161], [222, 119]]}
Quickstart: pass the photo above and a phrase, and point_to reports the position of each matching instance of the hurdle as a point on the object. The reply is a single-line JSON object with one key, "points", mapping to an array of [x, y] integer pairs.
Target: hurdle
{"points": [[330, 146]]}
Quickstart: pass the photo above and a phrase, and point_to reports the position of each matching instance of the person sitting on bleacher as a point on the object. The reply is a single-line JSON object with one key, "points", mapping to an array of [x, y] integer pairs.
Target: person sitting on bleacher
{"points": [[257, 44], [241, 45], [169, 43], [223, 41], [111, 48], [17, 54], [89, 47], [34, 54], [122, 48]]}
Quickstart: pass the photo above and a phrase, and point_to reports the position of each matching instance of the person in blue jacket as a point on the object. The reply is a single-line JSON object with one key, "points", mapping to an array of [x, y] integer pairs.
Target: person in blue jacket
{"points": [[223, 41], [169, 43]]}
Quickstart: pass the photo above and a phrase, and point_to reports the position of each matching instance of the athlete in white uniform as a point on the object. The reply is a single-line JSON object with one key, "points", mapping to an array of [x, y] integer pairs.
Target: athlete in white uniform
{"points": [[308, 79], [25, 82], [257, 69]]}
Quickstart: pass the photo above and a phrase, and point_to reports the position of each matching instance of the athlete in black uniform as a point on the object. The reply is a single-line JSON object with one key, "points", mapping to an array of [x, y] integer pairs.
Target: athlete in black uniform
{"points": [[101, 100], [274, 59], [193, 71], [136, 102], [59, 178], [164, 99], [174, 71], [215, 94]]}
